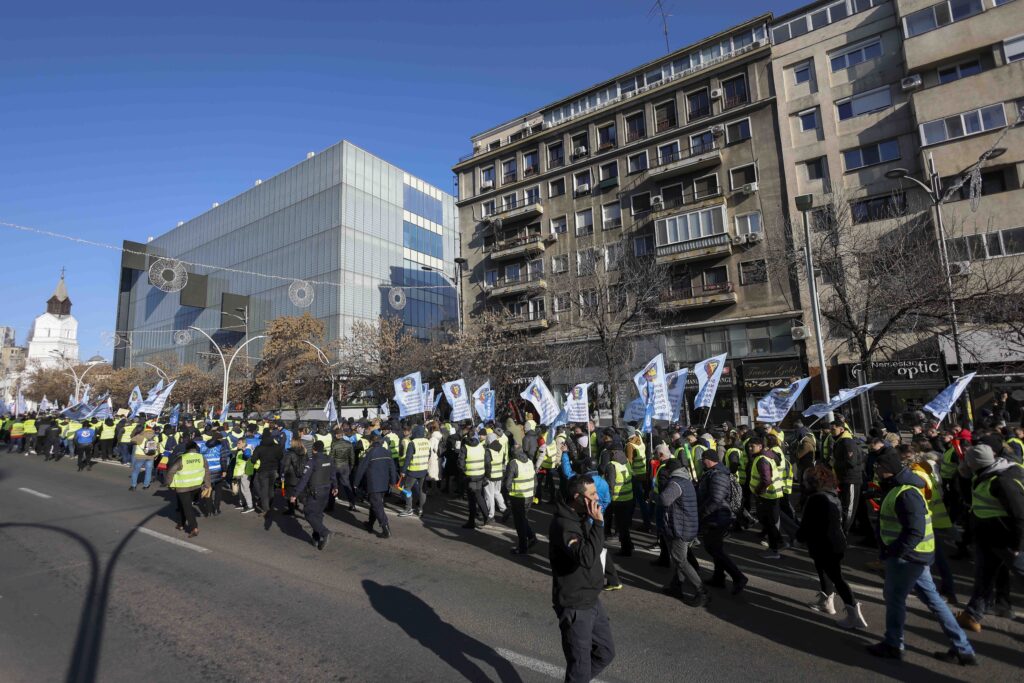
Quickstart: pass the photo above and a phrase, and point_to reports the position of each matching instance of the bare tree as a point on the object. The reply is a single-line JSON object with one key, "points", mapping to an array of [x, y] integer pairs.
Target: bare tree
{"points": [[290, 372], [375, 354]]}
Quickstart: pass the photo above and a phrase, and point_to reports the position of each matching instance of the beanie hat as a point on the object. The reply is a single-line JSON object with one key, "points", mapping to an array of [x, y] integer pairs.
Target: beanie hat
{"points": [[980, 457], [889, 462], [710, 454]]}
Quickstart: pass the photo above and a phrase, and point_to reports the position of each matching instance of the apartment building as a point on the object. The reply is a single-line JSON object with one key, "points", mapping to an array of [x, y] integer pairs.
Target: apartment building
{"points": [[677, 159], [964, 64]]}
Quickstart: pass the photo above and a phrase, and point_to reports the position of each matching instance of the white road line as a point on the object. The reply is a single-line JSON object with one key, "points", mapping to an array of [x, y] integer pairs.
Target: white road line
{"points": [[171, 539], [538, 665], [32, 492]]}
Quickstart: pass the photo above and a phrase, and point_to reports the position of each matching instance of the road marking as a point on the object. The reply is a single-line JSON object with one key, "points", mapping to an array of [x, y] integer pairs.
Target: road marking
{"points": [[33, 492], [538, 665], [171, 539]]}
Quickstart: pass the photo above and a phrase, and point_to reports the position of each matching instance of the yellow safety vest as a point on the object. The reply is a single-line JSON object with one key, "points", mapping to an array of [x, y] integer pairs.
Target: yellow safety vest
{"points": [[474, 460], [623, 488], [940, 516], [420, 456], [550, 456], [735, 456], [191, 473], [503, 440], [326, 440], [30, 427], [984, 505], [498, 463], [126, 434], [523, 482], [639, 459], [393, 444], [107, 431], [775, 486], [18, 430], [889, 526]]}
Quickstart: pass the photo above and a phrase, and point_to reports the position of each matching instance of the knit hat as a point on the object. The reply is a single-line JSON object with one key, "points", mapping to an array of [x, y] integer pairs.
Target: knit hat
{"points": [[980, 457], [889, 462], [710, 454]]}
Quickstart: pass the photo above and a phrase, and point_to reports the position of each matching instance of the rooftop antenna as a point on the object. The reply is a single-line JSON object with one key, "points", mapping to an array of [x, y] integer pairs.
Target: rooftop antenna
{"points": [[659, 7]]}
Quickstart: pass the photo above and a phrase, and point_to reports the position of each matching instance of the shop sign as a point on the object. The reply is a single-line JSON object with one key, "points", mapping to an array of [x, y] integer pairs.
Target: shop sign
{"points": [[910, 370], [765, 375]]}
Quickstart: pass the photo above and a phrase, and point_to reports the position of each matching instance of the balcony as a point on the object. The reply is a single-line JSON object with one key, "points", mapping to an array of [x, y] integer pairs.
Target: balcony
{"points": [[661, 125], [681, 296], [634, 135], [612, 223], [606, 145], [508, 178], [556, 162], [695, 250], [517, 209], [607, 184], [526, 282], [531, 171], [690, 200], [529, 246], [735, 101], [528, 322], [694, 158], [699, 113]]}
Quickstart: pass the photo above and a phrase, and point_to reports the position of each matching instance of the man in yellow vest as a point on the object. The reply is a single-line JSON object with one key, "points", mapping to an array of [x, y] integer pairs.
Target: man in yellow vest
{"points": [[907, 543], [766, 485], [475, 461], [997, 511], [414, 472], [188, 474], [620, 512], [636, 456], [520, 480], [492, 484]]}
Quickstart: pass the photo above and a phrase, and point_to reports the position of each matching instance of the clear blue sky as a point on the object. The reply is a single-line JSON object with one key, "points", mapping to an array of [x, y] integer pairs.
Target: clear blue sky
{"points": [[117, 119]]}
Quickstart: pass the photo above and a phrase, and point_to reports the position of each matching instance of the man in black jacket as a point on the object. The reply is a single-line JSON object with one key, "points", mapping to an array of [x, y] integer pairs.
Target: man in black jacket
{"points": [[575, 550], [848, 464], [319, 481], [377, 467], [343, 454], [267, 458], [714, 493]]}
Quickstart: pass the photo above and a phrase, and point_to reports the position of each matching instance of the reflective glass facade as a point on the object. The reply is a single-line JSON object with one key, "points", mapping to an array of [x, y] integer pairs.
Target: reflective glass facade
{"points": [[352, 223]]}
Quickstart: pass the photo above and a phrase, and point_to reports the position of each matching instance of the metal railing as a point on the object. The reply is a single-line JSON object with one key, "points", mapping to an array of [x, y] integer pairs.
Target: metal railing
{"points": [[527, 317], [686, 291], [692, 151], [512, 242], [699, 112], [735, 101], [556, 162], [708, 242], [520, 279], [634, 135]]}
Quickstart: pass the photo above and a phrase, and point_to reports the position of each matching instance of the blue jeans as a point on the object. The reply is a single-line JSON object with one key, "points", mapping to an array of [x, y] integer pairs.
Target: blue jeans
{"points": [[125, 451], [139, 465], [902, 577]]}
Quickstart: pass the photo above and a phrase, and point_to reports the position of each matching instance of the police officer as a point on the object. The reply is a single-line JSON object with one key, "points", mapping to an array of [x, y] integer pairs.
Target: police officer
{"points": [[520, 479], [319, 482], [377, 467]]}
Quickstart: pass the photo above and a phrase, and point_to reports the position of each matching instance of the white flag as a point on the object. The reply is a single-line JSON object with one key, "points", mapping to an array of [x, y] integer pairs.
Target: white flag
{"points": [[156, 406], [409, 394], [384, 410], [941, 405], [577, 406], [779, 401], [676, 382], [709, 374], [845, 395], [458, 399], [483, 400], [651, 382], [539, 395], [331, 410]]}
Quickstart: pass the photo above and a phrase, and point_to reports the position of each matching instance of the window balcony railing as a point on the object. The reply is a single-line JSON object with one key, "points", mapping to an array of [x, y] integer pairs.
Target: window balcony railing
{"points": [[522, 278], [692, 151], [585, 230], [710, 246], [735, 101], [634, 135], [683, 290], [699, 112], [508, 178], [606, 145], [556, 162], [612, 223], [662, 125]]}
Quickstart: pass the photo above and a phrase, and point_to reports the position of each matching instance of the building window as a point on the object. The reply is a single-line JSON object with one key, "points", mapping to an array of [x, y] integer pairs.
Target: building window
{"points": [[532, 195], [590, 301], [993, 181], [672, 195], [748, 223], [560, 302], [558, 225], [637, 162], [737, 131], [508, 171], [556, 155], [581, 182], [491, 278], [488, 208], [962, 125], [734, 92], [716, 277], [698, 104], [636, 128], [690, 226], [743, 175], [585, 222], [865, 103], [580, 145], [702, 142], [815, 168], [753, 272], [986, 245], [640, 203], [611, 216], [509, 202], [643, 245], [609, 170], [586, 261], [878, 208], [665, 116], [535, 268], [512, 272], [606, 137], [802, 73], [868, 155], [1013, 49], [668, 153], [948, 74], [531, 163], [929, 18], [556, 188], [706, 186], [851, 56], [613, 256], [487, 178], [808, 119]]}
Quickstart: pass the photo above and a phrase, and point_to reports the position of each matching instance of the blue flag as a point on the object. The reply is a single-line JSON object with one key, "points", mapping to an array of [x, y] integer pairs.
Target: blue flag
{"points": [[175, 415], [648, 414], [845, 395], [773, 408], [134, 402], [941, 405]]}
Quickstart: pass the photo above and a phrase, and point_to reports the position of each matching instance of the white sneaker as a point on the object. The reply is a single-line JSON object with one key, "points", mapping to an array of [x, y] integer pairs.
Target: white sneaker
{"points": [[824, 603], [248, 510], [853, 619]]}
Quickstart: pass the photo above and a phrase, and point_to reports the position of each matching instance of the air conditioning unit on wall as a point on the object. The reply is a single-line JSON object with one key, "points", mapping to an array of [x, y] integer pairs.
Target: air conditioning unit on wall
{"points": [[911, 82], [800, 332]]}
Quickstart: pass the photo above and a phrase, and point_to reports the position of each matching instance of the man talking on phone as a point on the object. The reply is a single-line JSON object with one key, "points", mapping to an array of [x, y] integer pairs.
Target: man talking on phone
{"points": [[576, 551]]}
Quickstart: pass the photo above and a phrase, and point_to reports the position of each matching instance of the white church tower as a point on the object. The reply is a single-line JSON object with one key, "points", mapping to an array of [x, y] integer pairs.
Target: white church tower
{"points": [[54, 334]]}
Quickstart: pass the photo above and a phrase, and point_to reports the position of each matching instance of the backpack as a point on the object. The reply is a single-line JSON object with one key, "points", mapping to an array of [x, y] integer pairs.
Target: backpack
{"points": [[735, 495], [150, 446]]}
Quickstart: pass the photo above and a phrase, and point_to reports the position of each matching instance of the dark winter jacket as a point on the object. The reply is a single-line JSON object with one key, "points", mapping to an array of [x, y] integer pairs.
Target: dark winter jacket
{"points": [[848, 461], [713, 491], [343, 453], [530, 444], [911, 511], [678, 501], [292, 465], [574, 550], [378, 468], [270, 457], [821, 526]]}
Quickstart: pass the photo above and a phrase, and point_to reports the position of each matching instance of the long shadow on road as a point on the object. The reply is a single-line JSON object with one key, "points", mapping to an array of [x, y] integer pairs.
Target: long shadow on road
{"points": [[421, 623]]}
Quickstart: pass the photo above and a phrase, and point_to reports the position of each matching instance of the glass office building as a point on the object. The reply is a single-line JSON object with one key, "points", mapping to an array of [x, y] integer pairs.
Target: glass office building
{"points": [[355, 227]]}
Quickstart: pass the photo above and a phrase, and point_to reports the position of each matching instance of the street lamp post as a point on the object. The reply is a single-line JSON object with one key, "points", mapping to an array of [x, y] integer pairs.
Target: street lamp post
{"points": [[74, 373], [322, 357], [160, 373], [456, 284], [934, 191], [804, 203], [226, 363]]}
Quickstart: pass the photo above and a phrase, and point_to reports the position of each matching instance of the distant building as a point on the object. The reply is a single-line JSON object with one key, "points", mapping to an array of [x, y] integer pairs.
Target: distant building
{"points": [[54, 334]]}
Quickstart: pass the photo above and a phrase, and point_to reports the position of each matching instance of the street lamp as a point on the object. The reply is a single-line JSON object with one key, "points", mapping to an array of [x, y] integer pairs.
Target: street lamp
{"points": [[244, 318], [225, 363], [934, 191], [456, 284], [322, 357], [804, 203], [160, 373], [74, 373]]}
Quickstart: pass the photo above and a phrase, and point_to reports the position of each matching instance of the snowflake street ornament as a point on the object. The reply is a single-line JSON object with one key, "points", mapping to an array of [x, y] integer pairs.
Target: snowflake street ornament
{"points": [[168, 275], [182, 337], [396, 297], [300, 293]]}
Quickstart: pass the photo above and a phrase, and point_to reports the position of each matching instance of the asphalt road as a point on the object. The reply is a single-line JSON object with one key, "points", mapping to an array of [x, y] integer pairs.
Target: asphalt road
{"points": [[96, 584]]}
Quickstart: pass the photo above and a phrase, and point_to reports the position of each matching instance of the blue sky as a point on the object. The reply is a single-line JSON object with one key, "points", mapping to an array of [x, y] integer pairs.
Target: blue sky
{"points": [[118, 119]]}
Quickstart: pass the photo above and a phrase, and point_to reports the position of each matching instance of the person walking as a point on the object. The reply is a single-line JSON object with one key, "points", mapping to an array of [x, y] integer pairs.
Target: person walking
{"points": [[343, 453], [85, 441], [848, 464], [678, 500], [715, 493], [492, 483], [576, 552], [377, 468], [474, 461], [907, 544], [414, 464], [188, 474], [636, 456], [145, 447], [620, 478], [318, 482], [767, 486], [821, 530], [520, 480], [293, 467], [267, 459]]}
